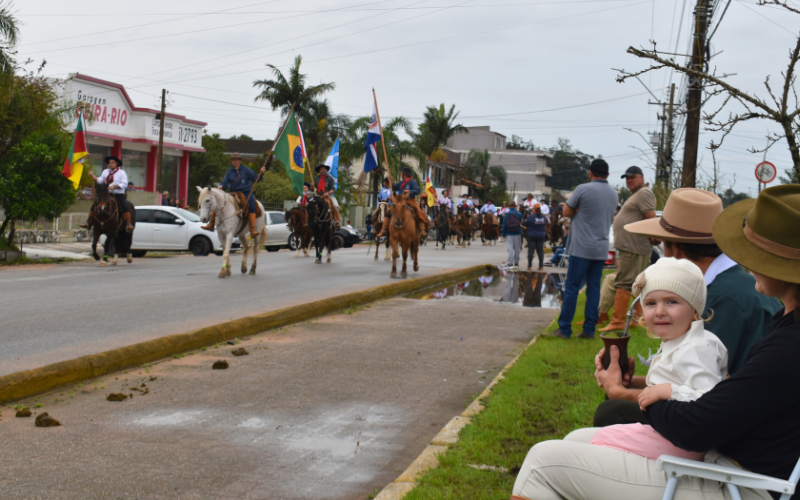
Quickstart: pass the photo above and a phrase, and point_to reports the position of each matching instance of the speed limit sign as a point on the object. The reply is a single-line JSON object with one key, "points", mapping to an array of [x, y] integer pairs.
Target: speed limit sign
{"points": [[766, 172]]}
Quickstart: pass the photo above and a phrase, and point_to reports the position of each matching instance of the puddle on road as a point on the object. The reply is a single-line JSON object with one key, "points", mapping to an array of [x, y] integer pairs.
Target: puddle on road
{"points": [[526, 289]]}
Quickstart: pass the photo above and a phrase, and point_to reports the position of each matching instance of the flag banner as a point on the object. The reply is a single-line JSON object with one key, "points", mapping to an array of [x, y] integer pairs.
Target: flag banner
{"points": [[73, 165], [333, 163], [302, 143], [373, 138], [289, 149], [431, 190]]}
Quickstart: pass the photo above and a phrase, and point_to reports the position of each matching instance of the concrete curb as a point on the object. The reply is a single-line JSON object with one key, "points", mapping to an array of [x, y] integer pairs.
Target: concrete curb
{"points": [[31, 382], [449, 435]]}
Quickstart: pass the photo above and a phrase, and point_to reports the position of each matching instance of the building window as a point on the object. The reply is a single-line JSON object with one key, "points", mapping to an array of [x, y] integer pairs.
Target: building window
{"points": [[169, 175], [96, 156], [135, 165]]}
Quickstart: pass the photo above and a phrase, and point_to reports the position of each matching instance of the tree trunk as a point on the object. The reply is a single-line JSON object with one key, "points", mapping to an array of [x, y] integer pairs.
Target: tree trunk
{"points": [[3, 227], [10, 241], [792, 140]]}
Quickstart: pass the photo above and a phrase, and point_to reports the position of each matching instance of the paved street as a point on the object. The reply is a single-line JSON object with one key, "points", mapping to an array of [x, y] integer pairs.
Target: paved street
{"points": [[334, 408], [52, 313]]}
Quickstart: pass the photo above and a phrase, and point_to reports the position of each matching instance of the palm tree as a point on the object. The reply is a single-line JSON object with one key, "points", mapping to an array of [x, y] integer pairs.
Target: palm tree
{"points": [[478, 169], [9, 36], [281, 93], [438, 127], [321, 128]]}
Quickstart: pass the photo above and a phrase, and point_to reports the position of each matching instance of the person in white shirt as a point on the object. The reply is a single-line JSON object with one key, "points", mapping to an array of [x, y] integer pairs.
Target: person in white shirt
{"points": [[445, 201], [117, 181], [466, 203], [529, 203], [504, 209], [302, 200], [489, 208], [544, 207]]}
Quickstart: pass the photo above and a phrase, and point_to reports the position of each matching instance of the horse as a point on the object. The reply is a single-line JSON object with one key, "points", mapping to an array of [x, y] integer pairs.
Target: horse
{"points": [[489, 230], [108, 221], [404, 233], [464, 228], [230, 224], [321, 223], [381, 219], [297, 219], [555, 231], [442, 224]]}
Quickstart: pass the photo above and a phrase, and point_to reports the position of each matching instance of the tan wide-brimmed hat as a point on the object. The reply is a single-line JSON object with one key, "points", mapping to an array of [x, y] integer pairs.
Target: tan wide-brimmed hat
{"points": [[762, 234], [236, 156], [688, 217]]}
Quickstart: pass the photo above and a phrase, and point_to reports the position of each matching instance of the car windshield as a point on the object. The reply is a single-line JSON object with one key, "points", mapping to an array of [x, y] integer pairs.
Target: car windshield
{"points": [[187, 215]]}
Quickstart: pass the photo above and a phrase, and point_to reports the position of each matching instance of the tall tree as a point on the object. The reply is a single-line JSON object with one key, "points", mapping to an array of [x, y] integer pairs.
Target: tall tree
{"points": [[478, 170], [437, 127], [321, 127], [9, 37], [791, 177], [282, 92]]}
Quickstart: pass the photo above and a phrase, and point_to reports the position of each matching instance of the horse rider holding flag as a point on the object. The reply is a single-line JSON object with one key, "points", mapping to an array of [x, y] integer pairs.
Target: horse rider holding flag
{"points": [[408, 186], [326, 187], [117, 181], [239, 179]]}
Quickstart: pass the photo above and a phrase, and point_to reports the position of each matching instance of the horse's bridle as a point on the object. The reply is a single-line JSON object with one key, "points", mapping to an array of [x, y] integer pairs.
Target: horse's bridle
{"points": [[320, 221], [111, 214]]}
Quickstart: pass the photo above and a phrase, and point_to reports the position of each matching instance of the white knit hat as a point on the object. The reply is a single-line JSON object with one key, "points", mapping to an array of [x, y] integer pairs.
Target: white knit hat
{"points": [[678, 276]]}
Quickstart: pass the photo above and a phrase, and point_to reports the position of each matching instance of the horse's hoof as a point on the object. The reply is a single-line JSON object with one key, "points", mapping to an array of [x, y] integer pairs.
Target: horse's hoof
{"points": [[130, 259], [252, 272], [222, 273], [329, 260], [376, 257], [102, 264], [416, 267], [393, 274], [244, 270], [227, 271], [318, 261], [96, 257], [113, 262], [403, 275]]}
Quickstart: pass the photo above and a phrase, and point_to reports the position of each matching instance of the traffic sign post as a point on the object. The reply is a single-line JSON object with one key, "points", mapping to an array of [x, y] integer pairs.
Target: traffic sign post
{"points": [[765, 173]]}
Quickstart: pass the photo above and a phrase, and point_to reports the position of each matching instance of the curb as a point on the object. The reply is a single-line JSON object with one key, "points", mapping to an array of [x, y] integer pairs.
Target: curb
{"points": [[29, 383], [449, 435]]}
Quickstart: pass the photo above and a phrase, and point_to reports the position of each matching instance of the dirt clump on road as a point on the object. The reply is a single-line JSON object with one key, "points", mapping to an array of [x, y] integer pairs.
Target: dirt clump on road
{"points": [[23, 412], [45, 420], [240, 352], [116, 396], [220, 365]]}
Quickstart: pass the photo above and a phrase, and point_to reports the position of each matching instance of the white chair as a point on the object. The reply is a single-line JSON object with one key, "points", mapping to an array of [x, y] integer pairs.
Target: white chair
{"points": [[676, 467]]}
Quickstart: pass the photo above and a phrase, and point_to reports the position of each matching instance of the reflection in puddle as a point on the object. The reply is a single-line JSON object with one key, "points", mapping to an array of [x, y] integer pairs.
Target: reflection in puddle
{"points": [[528, 289]]}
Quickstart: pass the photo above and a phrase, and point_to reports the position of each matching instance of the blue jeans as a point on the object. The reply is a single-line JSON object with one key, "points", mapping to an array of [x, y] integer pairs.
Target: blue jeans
{"points": [[557, 255], [579, 270]]}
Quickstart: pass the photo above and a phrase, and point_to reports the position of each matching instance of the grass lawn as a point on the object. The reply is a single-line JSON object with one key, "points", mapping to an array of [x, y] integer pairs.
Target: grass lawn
{"points": [[549, 392]]}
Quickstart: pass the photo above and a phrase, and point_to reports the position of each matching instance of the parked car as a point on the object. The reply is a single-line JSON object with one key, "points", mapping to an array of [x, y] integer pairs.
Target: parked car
{"points": [[346, 237], [278, 233], [163, 228]]}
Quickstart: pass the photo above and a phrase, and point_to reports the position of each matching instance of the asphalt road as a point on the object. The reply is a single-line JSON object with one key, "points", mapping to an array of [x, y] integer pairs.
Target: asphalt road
{"points": [[51, 313]]}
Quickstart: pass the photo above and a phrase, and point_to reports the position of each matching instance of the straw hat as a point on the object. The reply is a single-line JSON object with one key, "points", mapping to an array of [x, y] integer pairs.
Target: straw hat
{"points": [[236, 156], [687, 218], [762, 234]]}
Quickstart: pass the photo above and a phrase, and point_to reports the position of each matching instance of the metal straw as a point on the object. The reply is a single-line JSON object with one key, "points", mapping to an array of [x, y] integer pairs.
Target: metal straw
{"points": [[630, 315]]}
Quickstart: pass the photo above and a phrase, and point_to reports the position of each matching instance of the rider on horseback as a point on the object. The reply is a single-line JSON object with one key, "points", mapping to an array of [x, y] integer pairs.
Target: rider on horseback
{"points": [[239, 179], [303, 199], [466, 203], [117, 181], [410, 187], [445, 201], [489, 208], [326, 186]]}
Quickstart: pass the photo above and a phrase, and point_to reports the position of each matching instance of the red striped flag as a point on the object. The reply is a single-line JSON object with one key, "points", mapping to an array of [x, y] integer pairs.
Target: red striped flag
{"points": [[73, 165]]}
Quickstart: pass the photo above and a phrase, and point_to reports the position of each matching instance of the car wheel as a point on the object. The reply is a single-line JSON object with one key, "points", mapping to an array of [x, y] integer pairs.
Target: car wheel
{"points": [[138, 253], [338, 241], [294, 242], [272, 249], [219, 254], [200, 246]]}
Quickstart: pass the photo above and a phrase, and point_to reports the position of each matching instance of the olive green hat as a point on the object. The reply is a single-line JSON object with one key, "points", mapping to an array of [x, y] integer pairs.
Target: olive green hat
{"points": [[762, 234]]}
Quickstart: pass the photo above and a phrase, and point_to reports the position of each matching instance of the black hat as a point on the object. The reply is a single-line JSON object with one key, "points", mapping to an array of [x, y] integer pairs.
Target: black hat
{"points": [[407, 171], [385, 179], [107, 158], [599, 167], [489, 200], [465, 195], [632, 171], [316, 169], [308, 185]]}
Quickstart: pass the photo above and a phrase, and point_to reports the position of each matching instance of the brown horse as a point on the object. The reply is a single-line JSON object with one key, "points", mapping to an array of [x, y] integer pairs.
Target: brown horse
{"points": [[555, 229], [381, 219], [489, 229], [108, 220], [464, 227], [405, 233], [297, 219]]}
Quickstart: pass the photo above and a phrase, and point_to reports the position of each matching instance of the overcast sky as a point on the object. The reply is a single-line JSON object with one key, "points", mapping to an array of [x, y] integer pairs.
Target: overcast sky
{"points": [[503, 63]]}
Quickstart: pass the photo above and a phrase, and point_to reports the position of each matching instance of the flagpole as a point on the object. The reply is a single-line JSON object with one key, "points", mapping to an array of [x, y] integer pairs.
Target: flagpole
{"points": [[269, 156], [380, 127]]}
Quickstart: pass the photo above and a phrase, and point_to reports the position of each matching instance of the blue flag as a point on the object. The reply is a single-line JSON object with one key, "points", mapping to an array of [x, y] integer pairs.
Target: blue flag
{"points": [[373, 137], [333, 163]]}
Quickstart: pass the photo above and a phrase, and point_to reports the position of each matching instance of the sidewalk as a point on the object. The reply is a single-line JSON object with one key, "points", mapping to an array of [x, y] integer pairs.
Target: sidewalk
{"points": [[334, 408], [73, 250]]}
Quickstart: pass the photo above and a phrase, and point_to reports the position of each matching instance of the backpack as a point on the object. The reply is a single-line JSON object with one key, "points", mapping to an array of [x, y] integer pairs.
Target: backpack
{"points": [[512, 222]]}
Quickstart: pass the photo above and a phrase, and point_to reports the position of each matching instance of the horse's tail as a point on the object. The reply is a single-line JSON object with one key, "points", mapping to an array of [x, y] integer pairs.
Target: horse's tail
{"points": [[263, 235]]}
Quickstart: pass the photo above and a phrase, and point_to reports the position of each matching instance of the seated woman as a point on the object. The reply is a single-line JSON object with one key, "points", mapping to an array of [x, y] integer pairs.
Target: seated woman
{"points": [[747, 421]]}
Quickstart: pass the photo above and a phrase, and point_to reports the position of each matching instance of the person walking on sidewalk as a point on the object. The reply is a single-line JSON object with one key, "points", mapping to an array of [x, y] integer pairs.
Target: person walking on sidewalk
{"points": [[591, 208], [512, 232], [535, 233], [633, 250]]}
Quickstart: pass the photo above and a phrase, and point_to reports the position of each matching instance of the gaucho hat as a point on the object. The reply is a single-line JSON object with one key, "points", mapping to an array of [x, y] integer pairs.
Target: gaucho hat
{"points": [[308, 185], [316, 169], [762, 234], [407, 171], [107, 158], [687, 218]]}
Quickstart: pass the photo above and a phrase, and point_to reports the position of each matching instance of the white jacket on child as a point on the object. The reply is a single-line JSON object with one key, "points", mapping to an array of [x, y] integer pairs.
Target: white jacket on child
{"points": [[692, 363]]}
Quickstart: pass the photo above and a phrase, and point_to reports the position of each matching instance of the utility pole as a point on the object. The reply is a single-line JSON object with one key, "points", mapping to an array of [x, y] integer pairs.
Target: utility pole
{"points": [[695, 96], [670, 136], [161, 120]]}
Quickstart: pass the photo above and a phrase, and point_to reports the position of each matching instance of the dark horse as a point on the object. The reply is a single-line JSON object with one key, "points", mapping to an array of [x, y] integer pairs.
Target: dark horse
{"points": [[108, 220], [464, 227], [442, 224], [321, 222], [297, 218]]}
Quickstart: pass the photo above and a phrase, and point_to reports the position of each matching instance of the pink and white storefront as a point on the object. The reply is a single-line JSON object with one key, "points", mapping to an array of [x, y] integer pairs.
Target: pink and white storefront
{"points": [[121, 129]]}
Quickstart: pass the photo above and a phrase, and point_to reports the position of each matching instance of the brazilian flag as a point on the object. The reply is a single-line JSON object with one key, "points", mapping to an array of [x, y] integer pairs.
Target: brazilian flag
{"points": [[290, 150]]}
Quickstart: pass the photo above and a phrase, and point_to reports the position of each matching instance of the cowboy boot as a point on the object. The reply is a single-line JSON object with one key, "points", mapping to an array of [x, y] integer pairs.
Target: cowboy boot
{"points": [[89, 221], [621, 301], [337, 218], [251, 221], [127, 217], [601, 319], [211, 222]]}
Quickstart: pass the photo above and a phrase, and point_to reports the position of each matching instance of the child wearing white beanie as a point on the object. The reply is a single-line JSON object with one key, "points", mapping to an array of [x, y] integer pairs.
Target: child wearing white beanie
{"points": [[690, 361]]}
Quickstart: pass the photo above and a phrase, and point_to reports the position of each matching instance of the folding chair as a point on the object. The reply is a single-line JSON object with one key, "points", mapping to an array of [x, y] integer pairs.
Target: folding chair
{"points": [[676, 467], [564, 259]]}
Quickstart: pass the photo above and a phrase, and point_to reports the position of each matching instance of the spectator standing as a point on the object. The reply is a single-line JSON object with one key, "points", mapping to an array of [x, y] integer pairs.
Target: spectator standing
{"points": [[633, 250], [165, 201], [512, 232], [535, 233], [591, 208]]}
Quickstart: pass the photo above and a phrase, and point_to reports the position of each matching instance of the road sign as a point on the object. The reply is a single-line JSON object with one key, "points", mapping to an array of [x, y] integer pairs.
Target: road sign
{"points": [[766, 172]]}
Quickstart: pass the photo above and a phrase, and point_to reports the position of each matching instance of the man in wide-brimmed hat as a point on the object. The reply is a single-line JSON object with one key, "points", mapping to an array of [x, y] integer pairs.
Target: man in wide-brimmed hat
{"points": [[739, 315], [326, 187], [117, 181], [408, 186], [239, 179]]}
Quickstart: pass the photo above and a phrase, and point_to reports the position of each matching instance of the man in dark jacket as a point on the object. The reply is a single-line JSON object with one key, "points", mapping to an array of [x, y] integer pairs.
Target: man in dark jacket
{"points": [[239, 179], [410, 187], [326, 187]]}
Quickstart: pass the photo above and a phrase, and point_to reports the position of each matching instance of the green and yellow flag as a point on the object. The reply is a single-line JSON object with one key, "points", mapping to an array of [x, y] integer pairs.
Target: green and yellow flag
{"points": [[289, 150]]}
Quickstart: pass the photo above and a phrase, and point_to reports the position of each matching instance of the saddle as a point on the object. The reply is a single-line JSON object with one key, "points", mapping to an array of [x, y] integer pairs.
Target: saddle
{"points": [[242, 207]]}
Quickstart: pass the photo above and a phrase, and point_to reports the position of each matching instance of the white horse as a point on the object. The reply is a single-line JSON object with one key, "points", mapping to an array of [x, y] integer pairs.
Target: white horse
{"points": [[228, 223]]}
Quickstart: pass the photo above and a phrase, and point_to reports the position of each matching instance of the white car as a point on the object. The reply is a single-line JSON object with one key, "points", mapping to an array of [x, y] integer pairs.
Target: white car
{"points": [[278, 233], [163, 228]]}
